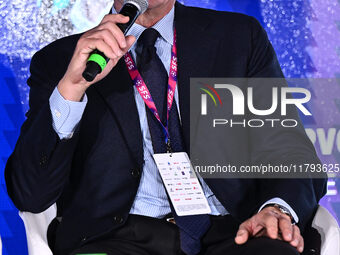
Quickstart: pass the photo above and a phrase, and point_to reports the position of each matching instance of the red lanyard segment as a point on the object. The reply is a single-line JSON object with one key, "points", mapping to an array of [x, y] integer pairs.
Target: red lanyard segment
{"points": [[145, 93]]}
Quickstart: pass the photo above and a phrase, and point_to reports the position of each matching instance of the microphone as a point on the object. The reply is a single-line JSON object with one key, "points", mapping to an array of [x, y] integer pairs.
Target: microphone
{"points": [[97, 60]]}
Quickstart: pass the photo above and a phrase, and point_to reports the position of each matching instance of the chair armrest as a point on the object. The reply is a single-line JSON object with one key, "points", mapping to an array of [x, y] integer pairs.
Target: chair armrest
{"points": [[36, 226], [329, 230]]}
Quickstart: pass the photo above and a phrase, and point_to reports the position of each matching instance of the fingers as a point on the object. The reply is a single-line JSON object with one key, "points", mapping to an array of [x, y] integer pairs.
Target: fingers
{"points": [[110, 33], [286, 228], [262, 224], [271, 222], [106, 37], [243, 233], [130, 40], [114, 31], [87, 45], [110, 23], [297, 240], [115, 18]]}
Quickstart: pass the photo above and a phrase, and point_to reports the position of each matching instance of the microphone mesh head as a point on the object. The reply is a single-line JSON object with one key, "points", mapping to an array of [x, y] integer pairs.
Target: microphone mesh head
{"points": [[142, 5]]}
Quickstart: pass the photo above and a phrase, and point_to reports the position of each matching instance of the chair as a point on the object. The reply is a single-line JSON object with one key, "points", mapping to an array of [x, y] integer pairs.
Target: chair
{"points": [[36, 231], [329, 230]]}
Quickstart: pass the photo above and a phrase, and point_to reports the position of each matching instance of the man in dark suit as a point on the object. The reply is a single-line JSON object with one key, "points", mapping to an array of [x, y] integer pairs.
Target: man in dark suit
{"points": [[88, 146]]}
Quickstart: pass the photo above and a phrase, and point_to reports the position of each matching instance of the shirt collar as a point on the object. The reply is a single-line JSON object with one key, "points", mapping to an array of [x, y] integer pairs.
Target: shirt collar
{"points": [[165, 27]]}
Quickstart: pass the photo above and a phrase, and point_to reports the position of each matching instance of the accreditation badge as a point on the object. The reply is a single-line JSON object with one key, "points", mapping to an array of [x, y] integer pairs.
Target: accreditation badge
{"points": [[182, 184]]}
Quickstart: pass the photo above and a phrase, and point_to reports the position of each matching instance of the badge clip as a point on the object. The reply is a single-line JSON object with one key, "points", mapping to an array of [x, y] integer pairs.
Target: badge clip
{"points": [[168, 147]]}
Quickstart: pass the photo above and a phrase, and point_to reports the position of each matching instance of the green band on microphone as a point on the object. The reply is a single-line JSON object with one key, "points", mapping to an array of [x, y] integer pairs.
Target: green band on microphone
{"points": [[100, 60]]}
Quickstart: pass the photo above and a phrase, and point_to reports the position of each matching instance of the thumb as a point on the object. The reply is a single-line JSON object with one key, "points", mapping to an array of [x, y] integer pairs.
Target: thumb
{"points": [[130, 40], [242, 234]]}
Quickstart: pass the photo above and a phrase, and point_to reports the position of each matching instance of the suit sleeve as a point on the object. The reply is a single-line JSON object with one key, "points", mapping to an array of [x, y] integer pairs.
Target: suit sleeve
{"points": [[280, 145], [39, 166]]}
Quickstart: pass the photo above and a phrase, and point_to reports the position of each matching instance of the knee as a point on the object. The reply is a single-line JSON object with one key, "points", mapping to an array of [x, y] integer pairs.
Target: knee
{"points": [[267, 246]]}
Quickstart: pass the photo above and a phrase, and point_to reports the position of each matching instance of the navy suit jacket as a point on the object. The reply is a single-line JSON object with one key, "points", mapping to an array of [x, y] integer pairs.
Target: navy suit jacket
{"points": [[94, 176]]}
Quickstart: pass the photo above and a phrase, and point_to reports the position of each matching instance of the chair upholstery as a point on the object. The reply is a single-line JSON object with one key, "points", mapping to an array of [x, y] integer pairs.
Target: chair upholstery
{"points": [[329, 230], [36, 226]]}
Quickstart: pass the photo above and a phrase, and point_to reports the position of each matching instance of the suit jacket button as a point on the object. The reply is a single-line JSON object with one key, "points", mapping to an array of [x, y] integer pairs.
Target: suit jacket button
{"points": [[135, 173], [43, 160], [118, 219]]}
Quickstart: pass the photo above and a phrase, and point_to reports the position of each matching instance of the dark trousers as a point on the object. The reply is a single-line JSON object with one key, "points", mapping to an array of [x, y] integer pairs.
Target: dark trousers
{"points": [[148, 236]]}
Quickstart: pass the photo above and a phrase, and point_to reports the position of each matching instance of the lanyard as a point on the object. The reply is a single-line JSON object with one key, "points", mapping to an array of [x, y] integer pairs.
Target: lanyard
{"points": [[145, 93]]}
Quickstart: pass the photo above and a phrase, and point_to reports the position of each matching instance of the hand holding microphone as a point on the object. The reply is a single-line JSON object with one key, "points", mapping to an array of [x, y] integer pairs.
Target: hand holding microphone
{"points": [[99, 49]]}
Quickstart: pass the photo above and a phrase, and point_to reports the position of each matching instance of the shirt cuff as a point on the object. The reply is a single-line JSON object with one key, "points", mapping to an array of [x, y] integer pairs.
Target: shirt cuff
{"points": [[279, 201], [65, 114]]}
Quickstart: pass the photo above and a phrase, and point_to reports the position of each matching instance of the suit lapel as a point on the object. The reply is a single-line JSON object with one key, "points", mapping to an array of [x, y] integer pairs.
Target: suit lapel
{"points": [[117, 91], [196, 49]]}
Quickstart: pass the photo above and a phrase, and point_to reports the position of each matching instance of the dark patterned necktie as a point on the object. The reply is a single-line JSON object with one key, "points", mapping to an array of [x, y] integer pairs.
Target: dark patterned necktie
{"points": [[155, 76]]}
